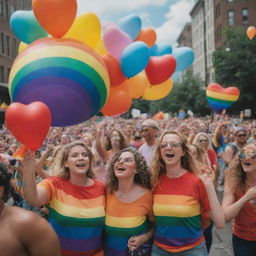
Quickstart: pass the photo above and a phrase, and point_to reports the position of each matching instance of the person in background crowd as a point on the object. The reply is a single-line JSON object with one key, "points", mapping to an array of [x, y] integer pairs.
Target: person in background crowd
{"points": [[23, 232], [202, 140], [129, 206], [76, 200], [183, 201], [149, 132], [221, 137], [239, 200]]}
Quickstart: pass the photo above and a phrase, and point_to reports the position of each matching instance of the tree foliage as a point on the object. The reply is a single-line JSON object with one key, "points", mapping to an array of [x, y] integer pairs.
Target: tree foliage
{"points": [[186, 94], [235, 65]]}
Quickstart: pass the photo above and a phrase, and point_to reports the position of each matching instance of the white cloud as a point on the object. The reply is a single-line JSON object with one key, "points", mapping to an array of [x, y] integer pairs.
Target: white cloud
{"points": [[176, 18], [104, 7]]}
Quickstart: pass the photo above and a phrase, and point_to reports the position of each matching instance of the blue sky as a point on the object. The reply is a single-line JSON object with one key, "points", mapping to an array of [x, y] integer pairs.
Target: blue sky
{"points": [[167, 17]]}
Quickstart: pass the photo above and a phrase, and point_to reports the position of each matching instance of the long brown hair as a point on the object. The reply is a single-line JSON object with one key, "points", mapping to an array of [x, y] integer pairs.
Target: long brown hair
{"points": [[235, 175], [64, 171], [123, 143], [142, 177], [158, 166]]}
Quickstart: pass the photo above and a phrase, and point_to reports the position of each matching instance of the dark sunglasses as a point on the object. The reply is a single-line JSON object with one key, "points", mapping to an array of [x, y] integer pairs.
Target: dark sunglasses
{"points": [[203, 141], [241, 135]]}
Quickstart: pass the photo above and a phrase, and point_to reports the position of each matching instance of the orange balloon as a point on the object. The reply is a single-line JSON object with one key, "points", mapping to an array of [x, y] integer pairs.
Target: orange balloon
{"points": [[138, 85], [55, 16], [251, 32], [148, 36], [118, 102]]}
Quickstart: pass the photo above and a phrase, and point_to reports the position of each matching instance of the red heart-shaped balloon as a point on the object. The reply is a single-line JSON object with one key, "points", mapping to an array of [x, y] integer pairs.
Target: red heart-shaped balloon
{"points": [[160, 68], [29, 123]]}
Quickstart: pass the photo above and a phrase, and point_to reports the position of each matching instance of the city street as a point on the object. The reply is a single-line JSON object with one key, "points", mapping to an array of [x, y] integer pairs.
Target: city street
{"points": [[222, 239]]}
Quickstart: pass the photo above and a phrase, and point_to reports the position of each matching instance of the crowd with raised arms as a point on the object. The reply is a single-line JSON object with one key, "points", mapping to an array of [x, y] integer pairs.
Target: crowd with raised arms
{"points": [[119, 187]]}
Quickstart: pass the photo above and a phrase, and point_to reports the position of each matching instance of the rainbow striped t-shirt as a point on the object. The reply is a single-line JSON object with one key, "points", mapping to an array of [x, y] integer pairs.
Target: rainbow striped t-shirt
{"points": [[124, 220], [178, 206], [77, 215]]}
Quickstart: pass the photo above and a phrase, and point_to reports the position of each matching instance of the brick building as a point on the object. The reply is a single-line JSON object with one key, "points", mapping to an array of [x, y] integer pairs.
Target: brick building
{"points": [[8, 44]]}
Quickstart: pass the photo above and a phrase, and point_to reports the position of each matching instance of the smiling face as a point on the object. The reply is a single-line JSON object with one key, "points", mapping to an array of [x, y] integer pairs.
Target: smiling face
{"points": [[115, 138], [125, 166], [171, 149], [78, 161], [248, 158], [203, 141]]}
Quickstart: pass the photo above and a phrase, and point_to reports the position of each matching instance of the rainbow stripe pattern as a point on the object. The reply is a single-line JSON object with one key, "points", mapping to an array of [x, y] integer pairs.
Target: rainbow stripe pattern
{"points": [[177, 207], [124, 220], [66, 75], [220, 98], [77, 215]]}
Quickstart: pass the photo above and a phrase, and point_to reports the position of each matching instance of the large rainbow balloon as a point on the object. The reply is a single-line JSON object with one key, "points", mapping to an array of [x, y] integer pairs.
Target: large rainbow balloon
{"points": [[220, 98], [66, 75]]}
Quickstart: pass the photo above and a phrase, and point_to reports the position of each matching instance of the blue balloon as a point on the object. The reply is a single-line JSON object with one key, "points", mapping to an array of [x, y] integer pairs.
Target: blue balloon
{"points": [[134, 58], [160, 49], [184, 58], [131, 25], [25, 26]]}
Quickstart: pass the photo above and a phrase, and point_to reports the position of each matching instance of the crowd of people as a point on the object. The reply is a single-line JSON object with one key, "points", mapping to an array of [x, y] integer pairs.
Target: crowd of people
{"points": [[119, 187]]}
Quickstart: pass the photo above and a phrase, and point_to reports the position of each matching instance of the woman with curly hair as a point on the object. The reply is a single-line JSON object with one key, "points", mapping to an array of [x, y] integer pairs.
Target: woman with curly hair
{"points": [[239, 201], [129, 206], [75, 200], [183, 199]]}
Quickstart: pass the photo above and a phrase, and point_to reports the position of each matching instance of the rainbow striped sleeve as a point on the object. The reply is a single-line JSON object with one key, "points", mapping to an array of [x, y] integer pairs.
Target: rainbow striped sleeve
{"points": [[77, 215], [177, 209], [124, 220]]}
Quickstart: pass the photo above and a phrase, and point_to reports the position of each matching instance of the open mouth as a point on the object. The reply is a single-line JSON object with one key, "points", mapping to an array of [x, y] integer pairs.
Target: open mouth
{"points": [[80, 165], [169, 155], [121, 169], [247, 164]]}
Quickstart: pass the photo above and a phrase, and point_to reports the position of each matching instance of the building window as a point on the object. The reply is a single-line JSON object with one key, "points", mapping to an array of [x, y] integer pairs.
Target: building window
{"points": [[245, 15], [8, 45], [230, 18], [12, 9], [14, 47], [2, 74], [2, 43], [6, 10], [1, 8]]}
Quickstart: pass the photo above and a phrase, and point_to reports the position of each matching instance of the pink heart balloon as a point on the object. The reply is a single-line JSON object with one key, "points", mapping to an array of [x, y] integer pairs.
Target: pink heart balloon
{"points": [[115, 40]]}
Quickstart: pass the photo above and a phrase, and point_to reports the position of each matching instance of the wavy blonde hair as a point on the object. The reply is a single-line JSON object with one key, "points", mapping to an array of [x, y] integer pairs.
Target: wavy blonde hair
{"points": [[235, 175], [158, 166], [64, 171]]}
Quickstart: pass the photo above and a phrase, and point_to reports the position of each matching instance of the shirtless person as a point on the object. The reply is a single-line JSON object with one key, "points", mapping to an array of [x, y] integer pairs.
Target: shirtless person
{"points": [[22, 232]]}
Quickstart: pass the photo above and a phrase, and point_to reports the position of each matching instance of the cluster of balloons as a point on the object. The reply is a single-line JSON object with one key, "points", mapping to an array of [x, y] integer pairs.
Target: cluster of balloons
{"points": [[251, 32], [138, 66], [57, 64], [220, 98], [77, 68]]}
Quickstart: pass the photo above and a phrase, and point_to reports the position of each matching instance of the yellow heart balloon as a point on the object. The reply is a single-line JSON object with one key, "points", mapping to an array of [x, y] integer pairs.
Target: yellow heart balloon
{"points": [[86, 29], [22, 47], [157, 92]]}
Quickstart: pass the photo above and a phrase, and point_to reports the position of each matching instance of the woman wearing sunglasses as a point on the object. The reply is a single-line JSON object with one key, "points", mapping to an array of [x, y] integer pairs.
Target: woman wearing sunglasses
{"points": [[239, 201], [183, 199], [129, 206]]}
